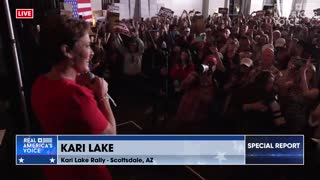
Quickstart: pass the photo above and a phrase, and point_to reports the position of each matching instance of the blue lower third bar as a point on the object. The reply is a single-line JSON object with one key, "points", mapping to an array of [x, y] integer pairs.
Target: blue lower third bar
{"points": [[36, 159], [278, 150], [151, 160], [153, 138]]}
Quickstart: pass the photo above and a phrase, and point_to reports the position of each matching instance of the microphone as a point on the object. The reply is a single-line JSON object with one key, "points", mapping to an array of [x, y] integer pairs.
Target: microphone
{"points": [[164, 48], [202, 68], [91, 77], [164, 45]]}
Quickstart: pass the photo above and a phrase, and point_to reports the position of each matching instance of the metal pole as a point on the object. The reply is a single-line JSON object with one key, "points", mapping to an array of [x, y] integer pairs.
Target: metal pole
{"points": [[149, 8], [139, 9], [205, 8], [17, 66], [226, 3], [129, 4]]}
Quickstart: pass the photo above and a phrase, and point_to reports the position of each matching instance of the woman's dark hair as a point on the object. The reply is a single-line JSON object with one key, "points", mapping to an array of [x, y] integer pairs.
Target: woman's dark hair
{"points": [[99, 53], [57, 31], [261, 81], [207, 51], [189, 58]]}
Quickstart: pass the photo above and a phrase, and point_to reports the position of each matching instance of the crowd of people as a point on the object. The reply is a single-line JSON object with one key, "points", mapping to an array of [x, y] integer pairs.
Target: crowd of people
{"points": [[254, 74], [241, 75]]}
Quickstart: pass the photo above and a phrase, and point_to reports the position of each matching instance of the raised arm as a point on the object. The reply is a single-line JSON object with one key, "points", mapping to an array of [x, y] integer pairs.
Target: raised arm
{"points": [[140, 45], [106, 38], [119, 45], [189, 20], [271, 34], [308, 93], [223, 50]]}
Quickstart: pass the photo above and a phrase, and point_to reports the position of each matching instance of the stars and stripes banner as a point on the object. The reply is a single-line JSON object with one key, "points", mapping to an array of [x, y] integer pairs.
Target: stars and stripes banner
{"points": [[121, 28], [81, 8]]}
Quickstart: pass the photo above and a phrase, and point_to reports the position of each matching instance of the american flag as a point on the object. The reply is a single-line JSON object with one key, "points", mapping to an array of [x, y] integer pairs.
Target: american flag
{"points": [[81, 7]]}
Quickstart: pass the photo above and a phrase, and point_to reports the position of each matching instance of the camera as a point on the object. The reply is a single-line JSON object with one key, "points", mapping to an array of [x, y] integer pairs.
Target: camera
{"points": [[202, 68], [209, 64], [274, 106]]}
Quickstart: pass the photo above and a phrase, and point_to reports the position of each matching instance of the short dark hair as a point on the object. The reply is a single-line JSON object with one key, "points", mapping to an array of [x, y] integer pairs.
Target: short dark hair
{"points": [[244, 38], [262, 78], [172, 27], [59, 30]]}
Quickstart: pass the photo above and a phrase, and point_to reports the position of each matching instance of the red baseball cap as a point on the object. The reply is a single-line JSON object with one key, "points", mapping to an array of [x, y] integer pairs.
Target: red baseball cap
{"points": [[211, 60]]}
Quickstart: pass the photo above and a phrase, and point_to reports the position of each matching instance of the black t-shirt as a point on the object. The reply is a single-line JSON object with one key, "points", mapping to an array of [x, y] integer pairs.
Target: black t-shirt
{"points": [[252, 121], [224, 77]]}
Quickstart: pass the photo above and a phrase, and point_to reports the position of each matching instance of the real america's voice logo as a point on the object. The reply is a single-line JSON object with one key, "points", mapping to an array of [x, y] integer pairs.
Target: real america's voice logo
{"points": [[36, 145], [36, 149]]}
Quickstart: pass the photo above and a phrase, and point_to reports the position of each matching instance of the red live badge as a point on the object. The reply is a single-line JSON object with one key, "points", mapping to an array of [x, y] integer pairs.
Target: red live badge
{"points": [[24, 13]]}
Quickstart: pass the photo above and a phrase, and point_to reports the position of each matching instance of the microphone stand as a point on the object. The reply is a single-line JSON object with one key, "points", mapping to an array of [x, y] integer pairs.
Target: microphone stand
{"points": [[166, 58], [17, 66]]}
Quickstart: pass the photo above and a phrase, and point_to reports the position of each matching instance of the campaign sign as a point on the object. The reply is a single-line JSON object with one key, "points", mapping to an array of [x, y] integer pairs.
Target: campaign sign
{"points": [[113, 8], [316, 12], [112, 17], [275, 150], [165, 12], [36, 150], [260, 13], [223, 10]]}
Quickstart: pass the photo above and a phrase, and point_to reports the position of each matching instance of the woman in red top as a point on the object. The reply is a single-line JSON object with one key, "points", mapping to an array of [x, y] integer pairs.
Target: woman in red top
{"points": [[65, 107], [181, 69], [194, 108]]}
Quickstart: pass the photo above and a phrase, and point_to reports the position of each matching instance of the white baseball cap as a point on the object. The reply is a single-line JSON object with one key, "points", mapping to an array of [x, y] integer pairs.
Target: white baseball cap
{"points": [[187, 30], [247, 62], [281, 42], [267, 46], [277, 31]]}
